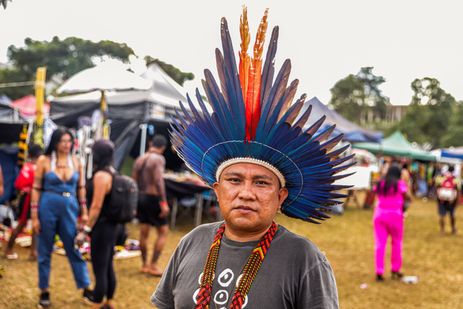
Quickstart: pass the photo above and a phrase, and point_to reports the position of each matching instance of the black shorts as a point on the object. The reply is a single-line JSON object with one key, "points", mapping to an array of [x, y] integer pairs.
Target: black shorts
{"points": [[149, 210], [446, 207]]}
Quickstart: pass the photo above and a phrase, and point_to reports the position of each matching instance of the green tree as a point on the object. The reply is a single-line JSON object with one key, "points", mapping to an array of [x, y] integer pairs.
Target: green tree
{"points": [[428, 118], [358, 97], [63, 58], [414, 123], [454, 135], [4, 3], [373, 95], [347, 98], [177, 75], [11, 75]]}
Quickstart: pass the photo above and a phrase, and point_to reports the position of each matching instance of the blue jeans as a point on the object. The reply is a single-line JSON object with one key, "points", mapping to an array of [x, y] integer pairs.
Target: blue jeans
{"points": [[58, 215]]}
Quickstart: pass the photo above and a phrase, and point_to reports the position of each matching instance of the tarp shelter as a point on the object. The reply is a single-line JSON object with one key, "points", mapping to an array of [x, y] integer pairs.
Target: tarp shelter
{"points": [[27, 106], [453, 153], [8, 161], [164, 90], [352, 132], [126, 111], [4, 99], [396, 145], [11, 124]]}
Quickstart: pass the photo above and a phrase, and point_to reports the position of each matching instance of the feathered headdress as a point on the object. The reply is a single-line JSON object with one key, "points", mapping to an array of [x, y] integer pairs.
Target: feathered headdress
{"points": [[253, 121]]}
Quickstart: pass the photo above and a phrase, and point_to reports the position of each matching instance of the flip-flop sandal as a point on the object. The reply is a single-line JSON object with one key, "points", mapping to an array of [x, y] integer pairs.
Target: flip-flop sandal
{"points": [[12, 256]]}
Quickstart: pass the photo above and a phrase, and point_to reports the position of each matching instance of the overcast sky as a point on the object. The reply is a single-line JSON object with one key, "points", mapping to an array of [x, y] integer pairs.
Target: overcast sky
{"points": [[325, 40]]}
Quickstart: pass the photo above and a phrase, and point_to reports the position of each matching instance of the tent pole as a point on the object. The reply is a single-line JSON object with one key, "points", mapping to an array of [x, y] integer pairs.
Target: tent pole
{"points": [[39, 97], [144, 128]]}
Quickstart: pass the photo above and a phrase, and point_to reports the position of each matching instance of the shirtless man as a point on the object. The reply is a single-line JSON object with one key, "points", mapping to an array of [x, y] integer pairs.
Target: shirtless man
{"points": [[152, 202]]}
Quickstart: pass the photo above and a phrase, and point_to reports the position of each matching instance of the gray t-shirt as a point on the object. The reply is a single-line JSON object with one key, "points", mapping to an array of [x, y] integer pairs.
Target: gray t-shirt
{"points": [[294, 274]]}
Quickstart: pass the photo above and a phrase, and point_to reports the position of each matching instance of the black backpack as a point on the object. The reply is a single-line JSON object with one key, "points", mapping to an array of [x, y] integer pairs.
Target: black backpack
{"points": [[124, 199]]}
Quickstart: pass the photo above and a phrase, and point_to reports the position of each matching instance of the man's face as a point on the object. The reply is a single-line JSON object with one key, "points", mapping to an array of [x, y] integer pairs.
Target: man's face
{"points": [[249, 197]]}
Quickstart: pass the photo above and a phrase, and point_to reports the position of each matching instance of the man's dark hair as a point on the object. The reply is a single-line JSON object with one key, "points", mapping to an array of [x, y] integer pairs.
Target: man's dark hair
{"points": [[34, 151], [159, 141], [451, 168], [55, 139]]}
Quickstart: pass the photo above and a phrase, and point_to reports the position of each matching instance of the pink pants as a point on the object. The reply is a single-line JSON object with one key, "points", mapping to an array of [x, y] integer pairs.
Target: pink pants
{"points": [[386, 224]]}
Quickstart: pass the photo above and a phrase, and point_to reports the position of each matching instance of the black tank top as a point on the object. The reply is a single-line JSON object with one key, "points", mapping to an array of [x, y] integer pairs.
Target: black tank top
{"points": [[106, 202]]}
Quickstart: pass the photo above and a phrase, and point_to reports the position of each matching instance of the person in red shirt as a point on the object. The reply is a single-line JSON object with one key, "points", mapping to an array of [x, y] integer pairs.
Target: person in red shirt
{"points": [[23, 184]]}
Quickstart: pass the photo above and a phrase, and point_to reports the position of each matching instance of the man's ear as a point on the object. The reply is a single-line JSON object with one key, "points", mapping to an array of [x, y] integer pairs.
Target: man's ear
{"points": [[282, 195], [215, 186]]}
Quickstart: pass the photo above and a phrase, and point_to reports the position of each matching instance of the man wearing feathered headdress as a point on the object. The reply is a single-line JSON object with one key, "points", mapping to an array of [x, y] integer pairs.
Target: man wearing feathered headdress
{"points": [[256, 152]]}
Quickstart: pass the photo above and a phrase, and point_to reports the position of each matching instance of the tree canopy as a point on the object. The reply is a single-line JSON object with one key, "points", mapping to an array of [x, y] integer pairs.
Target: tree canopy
{"points": [[358, 97], [64, 58], [4, 3], [433, 115], [177, 75]]}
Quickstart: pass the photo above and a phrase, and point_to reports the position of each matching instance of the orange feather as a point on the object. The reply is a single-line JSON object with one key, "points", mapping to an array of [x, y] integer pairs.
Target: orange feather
{"points": [[254, 81], [245, 61]]}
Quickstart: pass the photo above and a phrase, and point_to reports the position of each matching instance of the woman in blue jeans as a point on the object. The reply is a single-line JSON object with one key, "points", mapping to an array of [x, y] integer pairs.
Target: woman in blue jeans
{"points": [[58, 196]]}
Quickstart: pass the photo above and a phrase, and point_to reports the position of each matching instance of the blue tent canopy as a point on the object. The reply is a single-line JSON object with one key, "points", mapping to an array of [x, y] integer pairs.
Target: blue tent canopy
{"points": [[455, 153], [352, 132]]}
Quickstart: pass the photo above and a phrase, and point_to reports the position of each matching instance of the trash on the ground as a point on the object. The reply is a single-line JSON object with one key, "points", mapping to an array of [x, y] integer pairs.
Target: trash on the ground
{"points": [[410, 279], [363, 286]]}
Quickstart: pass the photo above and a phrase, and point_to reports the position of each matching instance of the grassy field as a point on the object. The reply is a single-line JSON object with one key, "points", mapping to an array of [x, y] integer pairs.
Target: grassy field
{"points": [[347, 241]]}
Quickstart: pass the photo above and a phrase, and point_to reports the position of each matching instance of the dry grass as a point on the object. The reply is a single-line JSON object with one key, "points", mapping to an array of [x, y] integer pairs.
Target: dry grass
{"points": [[347, 241]]}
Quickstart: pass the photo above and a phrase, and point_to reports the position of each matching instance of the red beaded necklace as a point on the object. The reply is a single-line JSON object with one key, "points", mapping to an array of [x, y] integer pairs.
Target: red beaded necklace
{"points": [[248, 274]]}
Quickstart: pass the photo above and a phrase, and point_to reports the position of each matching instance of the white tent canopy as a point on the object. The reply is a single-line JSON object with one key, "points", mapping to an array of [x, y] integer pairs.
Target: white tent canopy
{"points": [[112, 97], [110, 75], [164, 92], [164, 89]]}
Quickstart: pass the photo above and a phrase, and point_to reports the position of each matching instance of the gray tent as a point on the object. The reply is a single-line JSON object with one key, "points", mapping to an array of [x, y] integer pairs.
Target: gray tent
{"points": [[352, 132]]}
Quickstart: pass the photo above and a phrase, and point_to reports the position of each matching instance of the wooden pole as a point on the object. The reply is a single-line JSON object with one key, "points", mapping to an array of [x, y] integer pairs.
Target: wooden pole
{"points": [[39, 99]]}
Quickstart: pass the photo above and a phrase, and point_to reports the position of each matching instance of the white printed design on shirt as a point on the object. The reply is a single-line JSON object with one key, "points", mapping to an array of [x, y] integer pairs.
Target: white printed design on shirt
{"points": [[221, 296], [226, 277]]}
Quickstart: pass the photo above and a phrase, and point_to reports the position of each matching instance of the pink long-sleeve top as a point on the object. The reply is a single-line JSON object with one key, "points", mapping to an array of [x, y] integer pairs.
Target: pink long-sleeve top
{"points": [[391, 202]]}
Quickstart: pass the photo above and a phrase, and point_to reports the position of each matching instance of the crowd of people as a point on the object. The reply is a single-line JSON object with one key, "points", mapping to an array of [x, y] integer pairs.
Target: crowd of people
{"points": [[394, 192], [53, 193], [258, 165]]}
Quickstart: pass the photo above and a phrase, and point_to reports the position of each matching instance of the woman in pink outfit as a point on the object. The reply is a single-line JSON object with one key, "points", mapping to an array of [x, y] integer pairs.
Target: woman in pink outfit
{"points": [[388, 220]]}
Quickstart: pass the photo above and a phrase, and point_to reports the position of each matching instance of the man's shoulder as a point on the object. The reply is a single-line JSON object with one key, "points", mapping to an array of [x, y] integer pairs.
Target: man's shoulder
{"points": [[203, 232], [298, 248], [155, 156], [140, 159]]}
